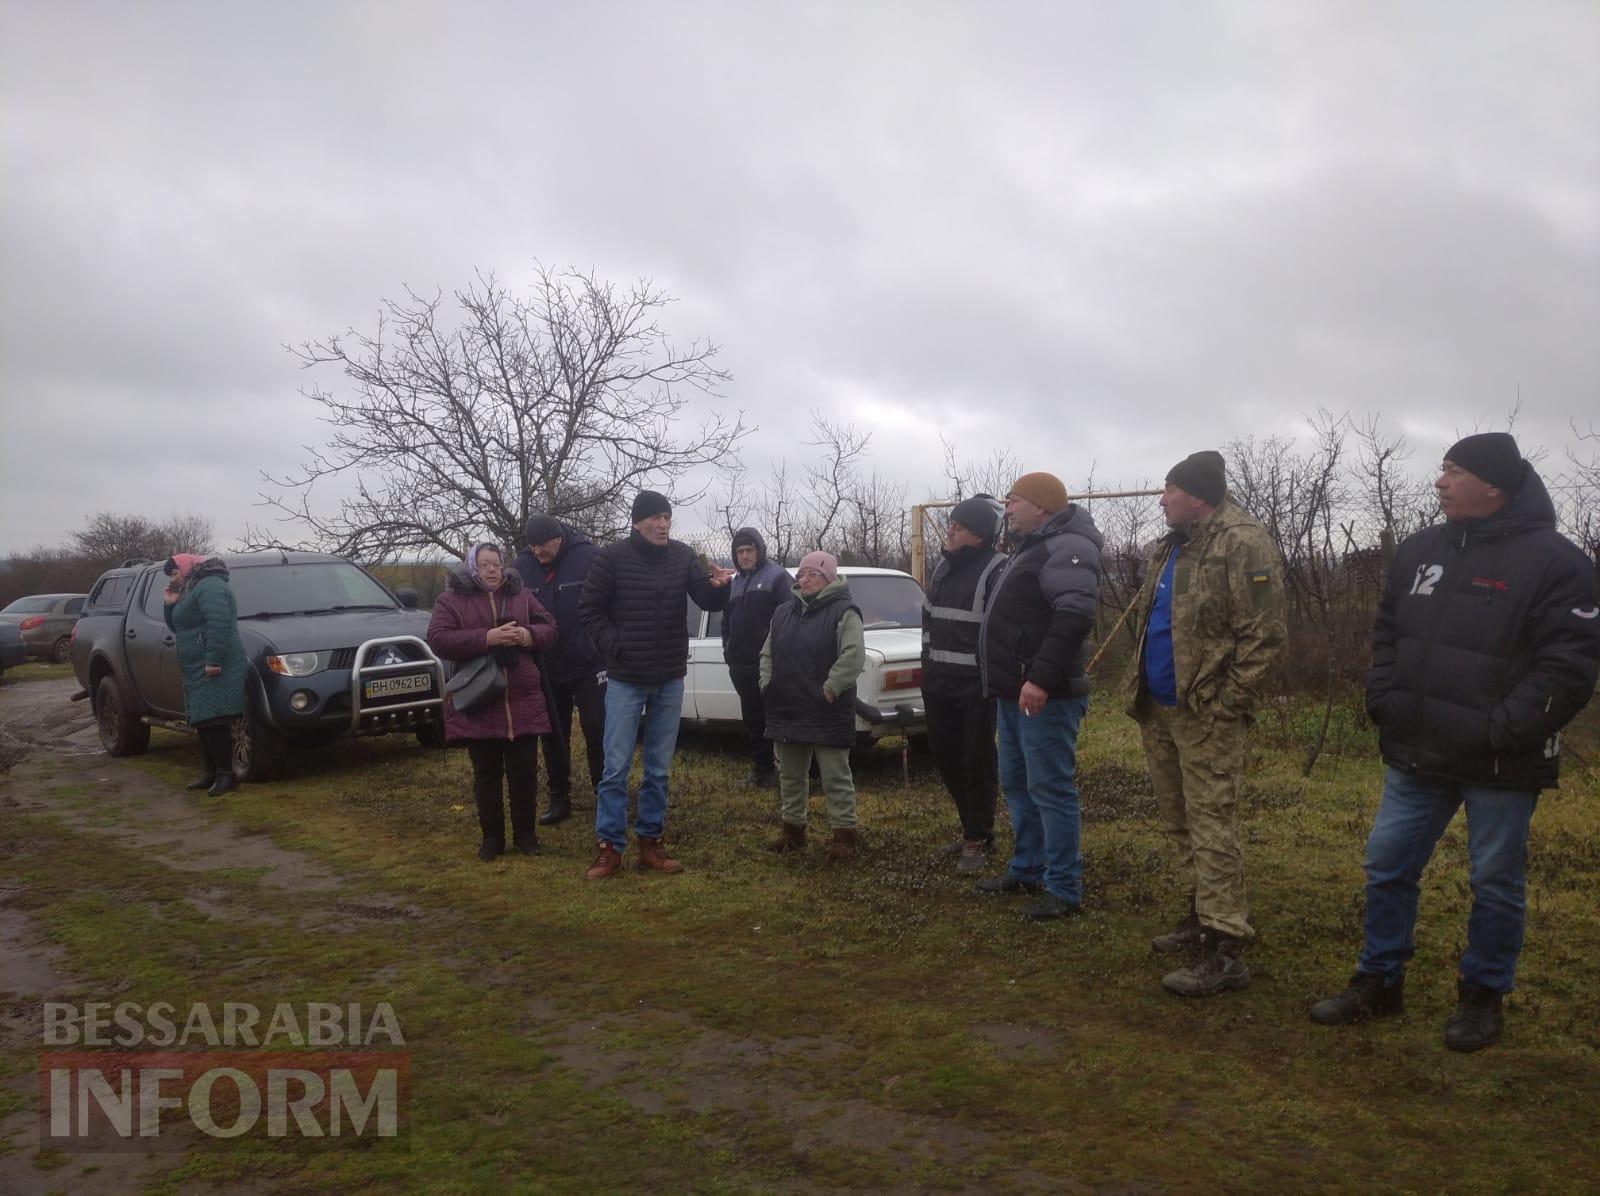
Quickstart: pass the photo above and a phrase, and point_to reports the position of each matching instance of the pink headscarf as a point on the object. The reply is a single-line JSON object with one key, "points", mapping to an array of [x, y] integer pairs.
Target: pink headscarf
{"points": [[180, 563]]}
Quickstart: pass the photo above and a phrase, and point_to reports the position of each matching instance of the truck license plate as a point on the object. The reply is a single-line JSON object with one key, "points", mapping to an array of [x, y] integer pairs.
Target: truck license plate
{"points": [[387, 687]]}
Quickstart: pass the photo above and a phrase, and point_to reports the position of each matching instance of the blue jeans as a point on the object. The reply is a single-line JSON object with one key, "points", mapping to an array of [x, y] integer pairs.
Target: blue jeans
{"points": [[1038, 764], [1411, 817], [628, 707]]}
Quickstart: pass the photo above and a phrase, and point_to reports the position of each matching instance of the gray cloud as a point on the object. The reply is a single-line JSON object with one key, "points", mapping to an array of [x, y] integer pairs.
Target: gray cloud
{"points": [[1097, 235]]}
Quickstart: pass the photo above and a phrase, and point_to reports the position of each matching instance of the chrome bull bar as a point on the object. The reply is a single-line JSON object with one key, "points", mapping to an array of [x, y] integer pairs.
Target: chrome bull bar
{"points": [[394, 716]]}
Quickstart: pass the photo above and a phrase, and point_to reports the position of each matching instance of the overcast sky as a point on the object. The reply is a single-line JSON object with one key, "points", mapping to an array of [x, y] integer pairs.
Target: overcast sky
{"points": [[1097, 234]]}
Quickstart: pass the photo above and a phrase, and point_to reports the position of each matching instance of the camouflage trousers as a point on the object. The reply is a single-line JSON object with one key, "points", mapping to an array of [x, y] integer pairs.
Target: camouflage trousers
{"points": [[1196, 764]]}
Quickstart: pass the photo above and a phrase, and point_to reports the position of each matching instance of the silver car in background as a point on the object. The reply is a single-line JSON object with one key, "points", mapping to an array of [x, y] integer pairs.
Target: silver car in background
{"points": [[46, 622]]}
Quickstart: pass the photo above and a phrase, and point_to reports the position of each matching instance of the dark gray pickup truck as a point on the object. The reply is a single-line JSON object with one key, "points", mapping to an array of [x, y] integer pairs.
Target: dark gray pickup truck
{"points": [[332, 652]]}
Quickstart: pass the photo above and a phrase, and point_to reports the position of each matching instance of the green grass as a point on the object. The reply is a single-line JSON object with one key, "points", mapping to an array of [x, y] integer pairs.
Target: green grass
{"points": [[758, 1021], [34, 670]]}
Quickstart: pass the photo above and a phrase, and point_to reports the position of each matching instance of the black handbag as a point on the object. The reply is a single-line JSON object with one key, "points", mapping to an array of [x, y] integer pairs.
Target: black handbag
{"points": [[476, 683]]}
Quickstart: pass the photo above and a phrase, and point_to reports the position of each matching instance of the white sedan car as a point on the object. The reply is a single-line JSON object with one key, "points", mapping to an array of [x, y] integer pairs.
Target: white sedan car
{"points": [[889, 693]]}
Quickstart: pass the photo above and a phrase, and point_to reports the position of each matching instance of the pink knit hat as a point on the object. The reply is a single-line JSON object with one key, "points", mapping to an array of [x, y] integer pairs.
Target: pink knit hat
{"points": [[824, 563]]}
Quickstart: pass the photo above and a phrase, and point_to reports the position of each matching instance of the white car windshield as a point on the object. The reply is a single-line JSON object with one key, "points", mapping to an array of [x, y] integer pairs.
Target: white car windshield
{"points": [[887, 600]]}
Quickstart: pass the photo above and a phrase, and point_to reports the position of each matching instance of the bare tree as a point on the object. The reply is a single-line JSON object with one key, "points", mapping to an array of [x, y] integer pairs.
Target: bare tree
{"points": [[830, 481], [109, 537], [466, 416]]}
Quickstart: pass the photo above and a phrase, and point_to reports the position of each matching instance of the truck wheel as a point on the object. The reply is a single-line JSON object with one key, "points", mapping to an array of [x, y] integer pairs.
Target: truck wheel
{"points": [[431, 734], [61, 650], [121, 734], [259, 752]]}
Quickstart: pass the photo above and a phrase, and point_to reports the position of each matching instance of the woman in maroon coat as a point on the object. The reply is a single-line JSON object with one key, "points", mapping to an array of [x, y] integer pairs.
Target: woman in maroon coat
{"points": [[485, 610]]}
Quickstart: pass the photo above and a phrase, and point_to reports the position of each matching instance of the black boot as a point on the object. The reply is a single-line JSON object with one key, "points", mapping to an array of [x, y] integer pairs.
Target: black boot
{"points": [[1477, 1020], [204, 782], [560, 810], [1186, 936], [490, 850], [527, 842], [1366, 996], [226, 782], [1220, 968]]}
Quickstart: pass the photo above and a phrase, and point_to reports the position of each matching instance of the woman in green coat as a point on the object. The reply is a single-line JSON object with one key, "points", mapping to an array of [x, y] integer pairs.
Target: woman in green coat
{"points": [[201, 612]]}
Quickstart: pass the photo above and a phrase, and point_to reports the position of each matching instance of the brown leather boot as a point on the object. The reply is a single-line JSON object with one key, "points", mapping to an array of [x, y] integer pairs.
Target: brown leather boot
{"points": [[790, 838], [653, 859], [607, 860], [843, 846]]}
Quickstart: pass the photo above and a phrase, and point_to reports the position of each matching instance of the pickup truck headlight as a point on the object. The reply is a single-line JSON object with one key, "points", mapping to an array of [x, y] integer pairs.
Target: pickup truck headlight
{"points": [[295, 664]]}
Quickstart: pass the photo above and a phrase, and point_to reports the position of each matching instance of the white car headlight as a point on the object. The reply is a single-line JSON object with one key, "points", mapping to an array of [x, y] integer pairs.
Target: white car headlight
{"points": [[295, 664]]}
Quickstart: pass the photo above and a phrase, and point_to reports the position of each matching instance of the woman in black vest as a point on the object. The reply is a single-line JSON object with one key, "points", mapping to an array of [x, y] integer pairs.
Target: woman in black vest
{"points": [[809, 665]]}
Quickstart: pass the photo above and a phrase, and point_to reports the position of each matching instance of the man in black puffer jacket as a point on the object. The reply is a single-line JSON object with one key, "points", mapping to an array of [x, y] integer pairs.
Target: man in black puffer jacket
{"points": [[555, 565], [1033, 649], [758, 588], [1487, 643], [634, 611]]}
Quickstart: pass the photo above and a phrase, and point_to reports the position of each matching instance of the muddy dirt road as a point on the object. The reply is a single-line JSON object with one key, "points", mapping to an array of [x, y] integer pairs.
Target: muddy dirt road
{"points": [[55, 781]]}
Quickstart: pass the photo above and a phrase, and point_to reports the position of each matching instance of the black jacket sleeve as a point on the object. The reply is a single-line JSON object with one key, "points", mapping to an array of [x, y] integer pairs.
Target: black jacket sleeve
{"points": [[706, 596], [1381, 675], [594, 608], [1564, 642]]}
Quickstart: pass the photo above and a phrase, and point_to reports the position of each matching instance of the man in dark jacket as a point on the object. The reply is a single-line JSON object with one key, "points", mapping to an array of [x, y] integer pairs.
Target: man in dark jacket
{"points": [[1487, 643], [554, 566], [1032, 651], [758, 588], [634, 609], [960, 719]]}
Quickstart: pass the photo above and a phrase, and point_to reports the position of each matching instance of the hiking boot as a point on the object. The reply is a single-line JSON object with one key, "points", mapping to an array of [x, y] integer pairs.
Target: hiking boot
{"points": [[1477, 1021], [1220, 969], [790, 838], [1186, 936], [954, 849], [1050, 906], [526, 842], [974, 855], [490, 850], [1006, 884], [560, 810], [226, 782], [1366, 996], [204, 782], [607, 859], [843, 846], [653, 859]]}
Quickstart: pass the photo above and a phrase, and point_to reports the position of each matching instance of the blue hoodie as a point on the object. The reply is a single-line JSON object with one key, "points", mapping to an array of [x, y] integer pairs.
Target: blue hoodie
{"points": [[752, 599]]}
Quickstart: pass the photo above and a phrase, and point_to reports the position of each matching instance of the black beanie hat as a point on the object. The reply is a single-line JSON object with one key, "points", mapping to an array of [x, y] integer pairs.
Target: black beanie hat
{"points": [[649, 503], [542, 528], [745, 537], [978, 516], [1492, 456], [1203, 475]]}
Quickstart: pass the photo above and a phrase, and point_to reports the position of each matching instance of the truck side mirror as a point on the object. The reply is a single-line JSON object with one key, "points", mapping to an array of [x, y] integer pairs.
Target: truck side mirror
{"points": [[408, 597]]}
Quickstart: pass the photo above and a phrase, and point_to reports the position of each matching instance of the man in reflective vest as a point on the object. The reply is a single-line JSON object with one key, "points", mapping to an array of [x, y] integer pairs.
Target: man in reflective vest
{"points": [[961, 721]]}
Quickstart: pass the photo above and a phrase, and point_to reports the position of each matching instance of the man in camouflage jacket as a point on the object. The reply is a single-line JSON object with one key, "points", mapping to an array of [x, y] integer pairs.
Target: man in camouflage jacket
{"points": [[1209, 622]]}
